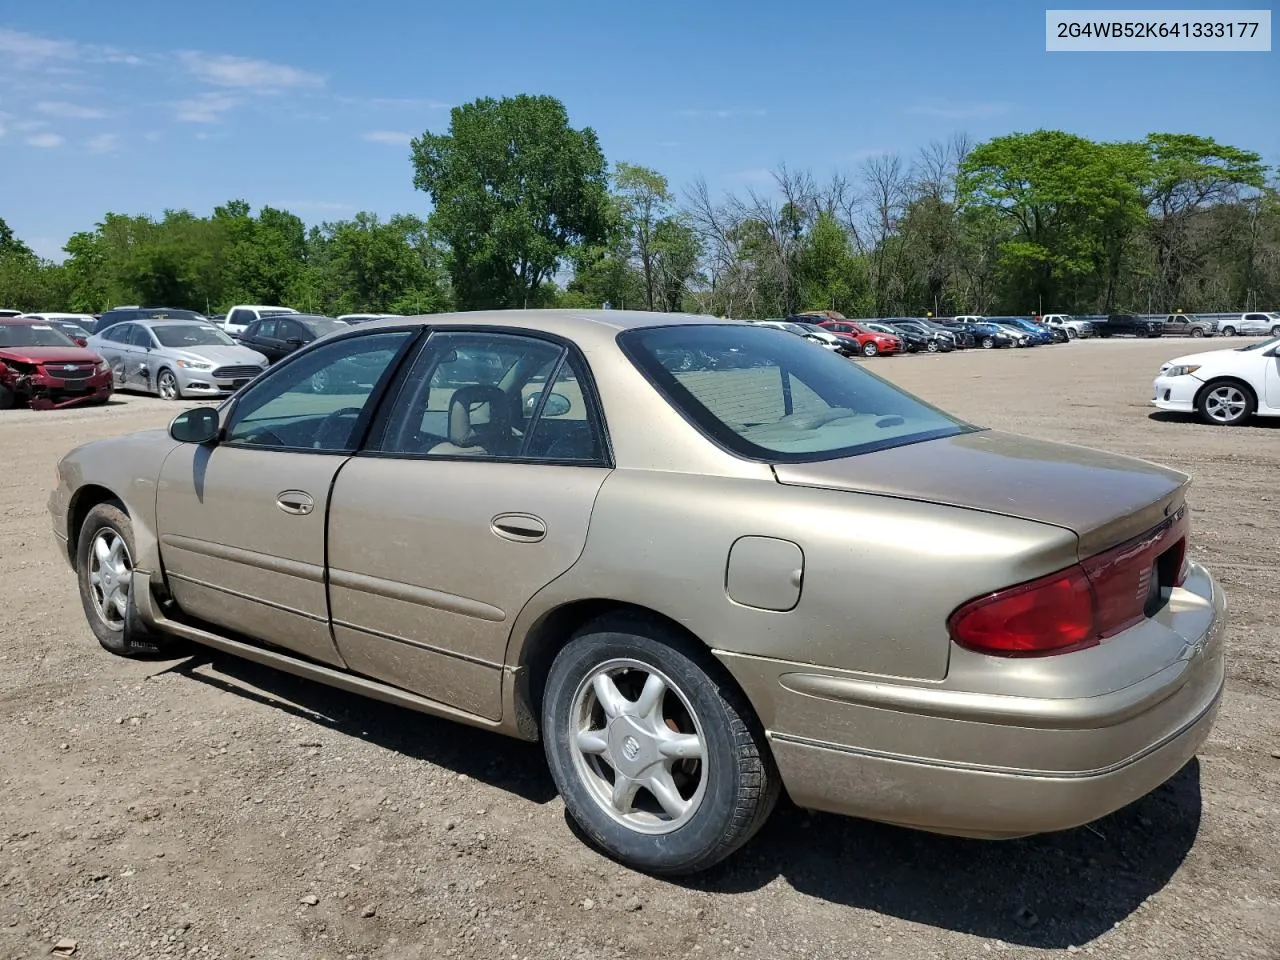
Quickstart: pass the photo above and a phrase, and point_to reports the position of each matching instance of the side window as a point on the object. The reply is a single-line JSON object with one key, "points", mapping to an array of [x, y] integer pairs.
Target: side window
{"points": [[316, 402], [266, 328], [117, 334], [140, 337], [1255, 318], [470, 394], [564, 428], [241, 316], [290, 330]]}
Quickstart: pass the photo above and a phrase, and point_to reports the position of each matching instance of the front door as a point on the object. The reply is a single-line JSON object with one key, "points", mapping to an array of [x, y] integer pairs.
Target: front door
{"points": [[243, 521], [475, 493]]}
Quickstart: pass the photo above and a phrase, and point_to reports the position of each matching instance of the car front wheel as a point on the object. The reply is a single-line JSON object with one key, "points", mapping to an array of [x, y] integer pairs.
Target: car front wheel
{"points": [[167, 386], [1226, 403], [870, 350], [105, 555], [658, 756], [1071, 334], [988, 343], [1275, 331], [1228, 331]]}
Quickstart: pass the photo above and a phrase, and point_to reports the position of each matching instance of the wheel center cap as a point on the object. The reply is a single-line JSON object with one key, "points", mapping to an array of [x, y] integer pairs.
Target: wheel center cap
{"points": [[631, 748]]}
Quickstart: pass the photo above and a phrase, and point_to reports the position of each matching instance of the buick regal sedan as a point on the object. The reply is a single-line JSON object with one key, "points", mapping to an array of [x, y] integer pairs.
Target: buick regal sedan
{"points": [[646, 566]]}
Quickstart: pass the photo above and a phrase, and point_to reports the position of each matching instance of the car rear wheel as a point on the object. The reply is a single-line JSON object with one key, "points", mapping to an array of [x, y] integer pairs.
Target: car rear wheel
{"points": [[658, 756], [6, 398], [1071, 334], [1275, 331], [1226, 403], [105, 554], [167, 386], [933, 346], [1228, 331], [988, 343], [870, 350]]}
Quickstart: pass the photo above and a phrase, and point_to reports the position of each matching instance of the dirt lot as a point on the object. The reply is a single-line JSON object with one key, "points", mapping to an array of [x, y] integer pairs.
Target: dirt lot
{"points": [[211, 808]]}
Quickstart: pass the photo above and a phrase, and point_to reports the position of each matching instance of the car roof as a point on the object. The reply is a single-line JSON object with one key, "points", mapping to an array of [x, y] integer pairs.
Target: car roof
{"points": [[577, 325], [164, 321]]}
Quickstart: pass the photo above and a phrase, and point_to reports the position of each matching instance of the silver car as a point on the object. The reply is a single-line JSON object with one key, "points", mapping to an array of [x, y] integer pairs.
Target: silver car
{"points": [[176, 358]]}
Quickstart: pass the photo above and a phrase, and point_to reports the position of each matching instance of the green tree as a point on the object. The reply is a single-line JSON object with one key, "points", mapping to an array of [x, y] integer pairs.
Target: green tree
{"points": [[514, 189], [644, 200]]}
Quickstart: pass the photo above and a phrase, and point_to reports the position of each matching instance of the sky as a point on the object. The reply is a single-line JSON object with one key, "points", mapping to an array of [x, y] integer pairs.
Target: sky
{"points": [[142, 106]]}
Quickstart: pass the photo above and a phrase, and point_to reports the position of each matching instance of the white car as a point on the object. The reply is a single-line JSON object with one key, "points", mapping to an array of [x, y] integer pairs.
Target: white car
{"points": [[1225, 387], [1250, 325], [816, 334], [240, 316]]}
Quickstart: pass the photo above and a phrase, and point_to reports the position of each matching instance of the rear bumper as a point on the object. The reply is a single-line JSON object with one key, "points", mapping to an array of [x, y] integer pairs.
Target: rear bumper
{"points": [[990, 766]]}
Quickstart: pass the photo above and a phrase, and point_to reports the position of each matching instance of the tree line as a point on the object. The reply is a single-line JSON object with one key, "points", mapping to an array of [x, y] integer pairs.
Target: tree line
{"points": [[527, 212]]}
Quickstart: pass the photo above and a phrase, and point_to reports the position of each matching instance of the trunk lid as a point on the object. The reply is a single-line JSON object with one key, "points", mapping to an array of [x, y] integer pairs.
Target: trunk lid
{"points": [[1103, 498]]}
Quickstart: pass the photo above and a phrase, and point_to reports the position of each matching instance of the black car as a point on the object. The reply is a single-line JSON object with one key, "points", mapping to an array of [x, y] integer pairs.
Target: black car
{"points": [[277, 337], [963, 338], [123, 314], [1130, 324], [989, 336], [934, 341]]}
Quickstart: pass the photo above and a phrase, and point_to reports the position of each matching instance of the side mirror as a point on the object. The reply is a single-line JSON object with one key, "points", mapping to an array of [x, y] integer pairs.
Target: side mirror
{"points": [[557, 405], [195, 426]]}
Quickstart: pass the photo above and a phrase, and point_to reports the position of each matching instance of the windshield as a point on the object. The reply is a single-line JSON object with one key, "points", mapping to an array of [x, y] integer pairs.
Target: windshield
{"points": [[33, 335], [184, 335], [321, 327], [769, 397]]}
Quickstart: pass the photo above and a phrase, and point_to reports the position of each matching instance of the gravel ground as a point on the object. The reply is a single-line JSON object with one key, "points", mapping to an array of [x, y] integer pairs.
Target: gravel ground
{"points": [[211, 808]]}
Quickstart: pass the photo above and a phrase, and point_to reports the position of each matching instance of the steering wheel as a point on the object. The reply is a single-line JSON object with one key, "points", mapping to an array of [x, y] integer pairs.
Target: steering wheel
{"points": [[328, 424]]}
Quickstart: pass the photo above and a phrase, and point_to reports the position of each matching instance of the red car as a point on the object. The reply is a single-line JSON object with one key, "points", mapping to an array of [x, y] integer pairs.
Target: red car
{"points": [[870, 343], [43, 366]]}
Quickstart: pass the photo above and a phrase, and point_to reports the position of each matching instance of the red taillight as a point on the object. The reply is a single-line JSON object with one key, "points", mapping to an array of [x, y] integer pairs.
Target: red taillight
{"points": [[1082, 605], [1052, 614]]}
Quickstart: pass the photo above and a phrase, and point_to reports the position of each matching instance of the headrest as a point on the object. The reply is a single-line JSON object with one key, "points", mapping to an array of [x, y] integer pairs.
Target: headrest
{"points": [[466, 403]]}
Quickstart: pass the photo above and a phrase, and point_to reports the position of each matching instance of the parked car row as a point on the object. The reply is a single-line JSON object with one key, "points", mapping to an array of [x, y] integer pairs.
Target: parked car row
{"points": [[887, 336]]}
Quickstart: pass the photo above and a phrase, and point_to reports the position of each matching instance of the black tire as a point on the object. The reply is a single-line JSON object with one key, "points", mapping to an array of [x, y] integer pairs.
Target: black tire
{"points": [[739, 782], [869, 349], [1197, 332], [6, 398], [1228, 331], [1275, 331], [988, 343], [1071, 333], [1210, 412], [124, 635], [933, 346]]}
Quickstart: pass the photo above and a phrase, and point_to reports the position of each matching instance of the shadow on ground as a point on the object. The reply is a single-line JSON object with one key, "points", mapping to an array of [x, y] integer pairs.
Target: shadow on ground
{"points": [[1257, 423], [1050, 891]]}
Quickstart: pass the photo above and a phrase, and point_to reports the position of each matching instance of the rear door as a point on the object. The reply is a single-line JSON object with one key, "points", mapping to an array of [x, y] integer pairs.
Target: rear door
{"points": [[243, 522], [474, 495]]}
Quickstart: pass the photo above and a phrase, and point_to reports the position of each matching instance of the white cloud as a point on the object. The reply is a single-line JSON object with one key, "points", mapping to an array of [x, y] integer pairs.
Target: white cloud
{"points": [[395, 138], [60, 108], [28, 49], [104, 143], [25, 125], [151, 136], [244, 73], [722, 113], [958, 109], [204, 107], [46, 140]]}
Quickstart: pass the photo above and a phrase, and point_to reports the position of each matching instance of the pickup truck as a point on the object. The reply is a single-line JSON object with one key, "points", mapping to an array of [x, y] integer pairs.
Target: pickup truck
{"points": [[1119, 324], [1070, 325], [1250, 324], [1189, 325], [239, 317]]}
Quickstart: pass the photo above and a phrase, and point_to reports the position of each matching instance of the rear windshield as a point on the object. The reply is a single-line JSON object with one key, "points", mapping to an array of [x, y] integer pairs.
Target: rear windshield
{"points": [[182, 335], [322, 326], [766, 395], [33, 335]]}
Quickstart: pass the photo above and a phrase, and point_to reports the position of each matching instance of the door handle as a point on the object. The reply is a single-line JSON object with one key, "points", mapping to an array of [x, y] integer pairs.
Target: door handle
{"points": [[297, 502], [519, 527]]}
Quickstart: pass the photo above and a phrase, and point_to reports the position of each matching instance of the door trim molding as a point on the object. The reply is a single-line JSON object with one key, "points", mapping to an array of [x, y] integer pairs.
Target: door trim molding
{"points": [[250, 558], [422, 596]]}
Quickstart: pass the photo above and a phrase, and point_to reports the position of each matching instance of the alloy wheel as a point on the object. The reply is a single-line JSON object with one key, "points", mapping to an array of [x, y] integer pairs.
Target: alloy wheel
{"points": [[1225, 404], [167, 384], [638, 747], [110, 576]]}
